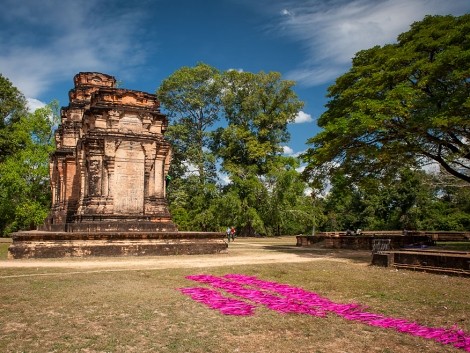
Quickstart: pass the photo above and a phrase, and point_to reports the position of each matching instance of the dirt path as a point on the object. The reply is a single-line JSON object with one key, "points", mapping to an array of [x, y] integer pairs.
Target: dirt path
{"points": [[240, 252]]}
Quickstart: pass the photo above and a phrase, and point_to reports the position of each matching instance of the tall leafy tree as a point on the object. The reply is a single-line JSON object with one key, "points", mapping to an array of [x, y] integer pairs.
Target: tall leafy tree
{"points": [[412, 199], [287, 209], [24, 174], [449, 207], [193, 206], [12, 108], [401, 104], [397, 203], [257, 109], [342, 205], [253, 110], [191, 98]]}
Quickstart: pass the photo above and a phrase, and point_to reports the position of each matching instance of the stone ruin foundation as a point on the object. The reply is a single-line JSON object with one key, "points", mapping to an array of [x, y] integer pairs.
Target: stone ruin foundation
{"points": [[411, 250], [107, 180]]}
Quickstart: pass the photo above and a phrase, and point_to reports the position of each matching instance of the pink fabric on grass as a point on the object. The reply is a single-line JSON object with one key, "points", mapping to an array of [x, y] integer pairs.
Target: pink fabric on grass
{"points": [[354, 312], [284, 299], [272, 301], [215, 300]]}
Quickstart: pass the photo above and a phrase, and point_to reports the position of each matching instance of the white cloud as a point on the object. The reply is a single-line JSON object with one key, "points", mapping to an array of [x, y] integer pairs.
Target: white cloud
{"points": [[287, 150], [191, 169], [237, 70], [286, 12], [290, 152], [66, 38], [333, 31], [432, 167], [34, 104], [308, 191], [224, 179], [303, 117], [297, 154], [300, 169]]}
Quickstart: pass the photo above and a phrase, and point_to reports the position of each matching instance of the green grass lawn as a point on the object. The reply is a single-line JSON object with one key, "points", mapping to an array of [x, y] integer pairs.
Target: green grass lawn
{"points": [[61, 309], [454, 245], [4, 249]]}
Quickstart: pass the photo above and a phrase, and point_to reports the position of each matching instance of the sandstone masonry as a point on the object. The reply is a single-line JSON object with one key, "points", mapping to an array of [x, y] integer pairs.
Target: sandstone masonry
{"points": [[108, 181], [109, 169]]}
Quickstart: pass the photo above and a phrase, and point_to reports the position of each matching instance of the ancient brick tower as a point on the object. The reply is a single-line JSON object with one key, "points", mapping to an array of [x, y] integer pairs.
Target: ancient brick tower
{"points": [[109, 169], [108, 181]]}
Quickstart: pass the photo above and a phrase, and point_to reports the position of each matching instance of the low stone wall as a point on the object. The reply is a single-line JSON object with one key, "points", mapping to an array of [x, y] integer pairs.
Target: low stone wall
{"points": [[454, 260], [436, 235], [361, 242], [41, 244], [444, 235], [445, 262]]}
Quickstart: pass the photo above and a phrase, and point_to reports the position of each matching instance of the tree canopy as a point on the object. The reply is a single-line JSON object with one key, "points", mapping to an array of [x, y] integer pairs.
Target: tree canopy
{"points": [[191, 97], [410, 199], [24, 172], [251, 112], [402, 104], [12, 108], [257, 108], [244, 118]]}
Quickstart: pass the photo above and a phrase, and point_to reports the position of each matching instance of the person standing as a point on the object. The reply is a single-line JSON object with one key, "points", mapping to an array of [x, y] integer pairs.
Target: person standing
{"points": [[233, 232], [228, 232]]}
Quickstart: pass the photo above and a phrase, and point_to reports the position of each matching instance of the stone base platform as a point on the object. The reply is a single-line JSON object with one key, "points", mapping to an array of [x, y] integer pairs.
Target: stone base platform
{"points": [[44, 244], [443, 262]]}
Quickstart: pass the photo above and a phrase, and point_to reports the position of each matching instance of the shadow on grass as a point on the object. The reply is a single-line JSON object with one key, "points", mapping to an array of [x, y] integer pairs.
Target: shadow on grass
{"points": [[357, 256]]}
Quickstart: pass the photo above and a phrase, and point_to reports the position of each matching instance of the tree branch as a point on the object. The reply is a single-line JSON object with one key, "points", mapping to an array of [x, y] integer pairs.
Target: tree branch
{"points": [[447, 167]]}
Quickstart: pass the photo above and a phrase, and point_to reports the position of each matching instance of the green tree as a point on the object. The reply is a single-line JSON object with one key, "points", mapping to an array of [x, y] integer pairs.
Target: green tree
{"points": [[402, 104], [287, 209], [411, 200], [257, 109], [12, 107], [194, 207], [191, 98], [24, 174], [254, 110], [447, 209], [342, 206], [396, 203]]}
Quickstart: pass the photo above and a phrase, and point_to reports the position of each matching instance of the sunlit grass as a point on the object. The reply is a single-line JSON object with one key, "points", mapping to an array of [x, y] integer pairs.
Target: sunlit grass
{"points": [[65, 310], [4, 249], [454, 245]]}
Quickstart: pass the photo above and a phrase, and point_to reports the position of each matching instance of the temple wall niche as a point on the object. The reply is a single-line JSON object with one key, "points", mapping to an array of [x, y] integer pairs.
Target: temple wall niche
{"points": [[159, 177], [94, 176], [129, 178]]}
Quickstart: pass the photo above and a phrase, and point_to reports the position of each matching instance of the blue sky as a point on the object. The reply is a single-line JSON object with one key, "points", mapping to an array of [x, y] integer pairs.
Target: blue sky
{"points": [[43, 44]]}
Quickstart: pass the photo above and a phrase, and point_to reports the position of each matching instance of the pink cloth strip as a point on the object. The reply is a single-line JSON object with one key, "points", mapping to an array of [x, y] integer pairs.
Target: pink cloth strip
{"points": [[215, 300], [287, 299]]}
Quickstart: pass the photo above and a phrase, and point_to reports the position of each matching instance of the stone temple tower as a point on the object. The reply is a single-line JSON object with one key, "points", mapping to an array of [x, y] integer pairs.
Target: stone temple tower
{"points": [[109, 169], [108, 181]]}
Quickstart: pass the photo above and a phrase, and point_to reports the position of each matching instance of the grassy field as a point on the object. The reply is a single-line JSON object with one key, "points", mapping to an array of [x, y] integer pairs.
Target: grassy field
{"points": [[67, 309], [4, 250], [454, 245]]}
